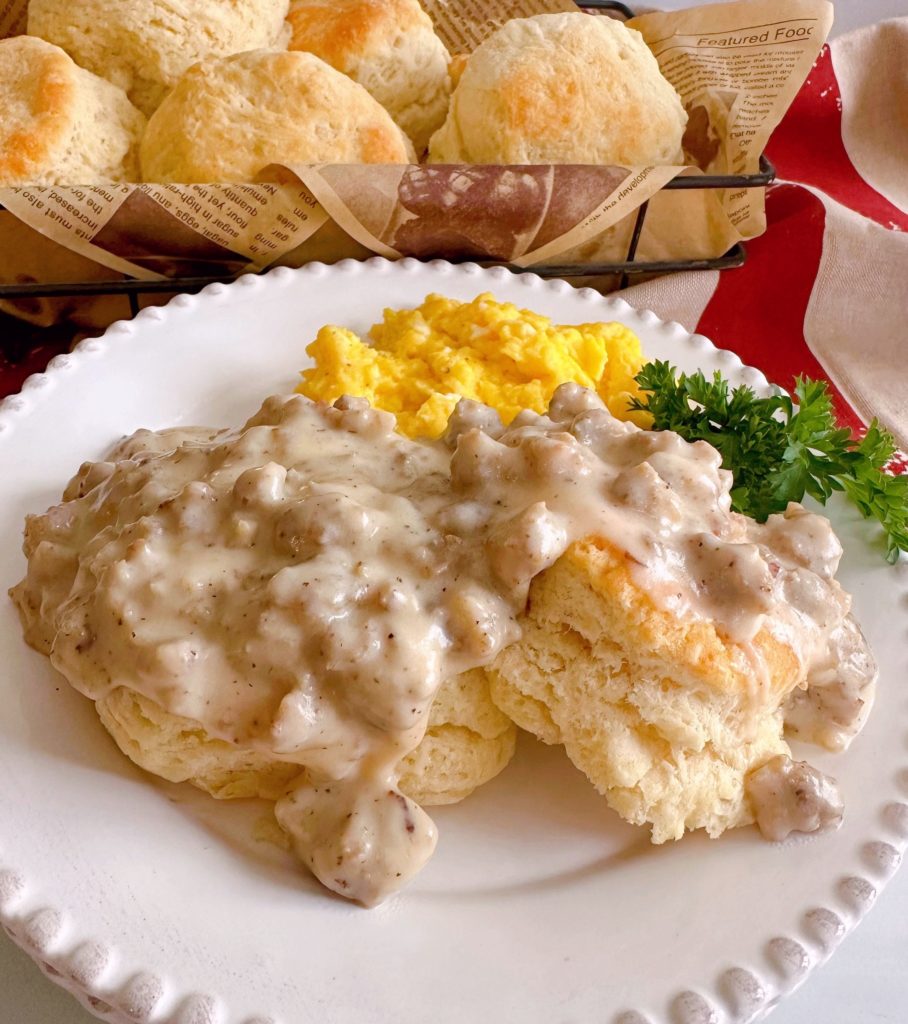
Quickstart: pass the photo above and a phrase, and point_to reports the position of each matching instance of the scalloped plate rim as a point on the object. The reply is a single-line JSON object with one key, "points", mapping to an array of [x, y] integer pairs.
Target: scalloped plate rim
{"points": [[37, 932]]}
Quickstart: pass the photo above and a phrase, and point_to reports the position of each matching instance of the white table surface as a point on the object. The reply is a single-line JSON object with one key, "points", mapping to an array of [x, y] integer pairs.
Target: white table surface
{"points": [[865, 981]]}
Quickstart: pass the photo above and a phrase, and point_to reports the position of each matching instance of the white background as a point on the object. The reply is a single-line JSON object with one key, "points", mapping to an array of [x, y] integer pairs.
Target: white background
{"points": [[866, 980]]}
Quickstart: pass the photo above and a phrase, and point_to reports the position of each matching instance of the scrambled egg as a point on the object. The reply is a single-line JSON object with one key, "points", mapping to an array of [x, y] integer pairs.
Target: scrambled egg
{"points": [[422, 361]]}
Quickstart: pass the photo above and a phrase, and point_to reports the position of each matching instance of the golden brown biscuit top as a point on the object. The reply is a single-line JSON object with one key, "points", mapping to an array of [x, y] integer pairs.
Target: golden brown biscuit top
{"points": [[144, 46], [228, 118], [37, 94], [342, 32], [562, 88]]}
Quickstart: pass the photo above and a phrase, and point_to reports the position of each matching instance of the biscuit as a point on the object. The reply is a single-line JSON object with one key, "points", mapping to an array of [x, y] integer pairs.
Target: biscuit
{"points": [[562, 88], [179, 750], [60, 124], [144, 46], [661, 713], [229, 118], [468, 742], [389, 47]]}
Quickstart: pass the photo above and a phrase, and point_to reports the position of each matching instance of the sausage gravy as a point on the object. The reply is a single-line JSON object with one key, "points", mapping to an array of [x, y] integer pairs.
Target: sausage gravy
{"points": [[303, 585]]}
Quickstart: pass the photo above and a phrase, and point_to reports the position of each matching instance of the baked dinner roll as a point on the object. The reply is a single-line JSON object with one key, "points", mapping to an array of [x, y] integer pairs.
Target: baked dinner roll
{"points": [[468, 742], [562, 88], [661, 712], [229, 118], [389, 47], [60, 124], [145, 45]]}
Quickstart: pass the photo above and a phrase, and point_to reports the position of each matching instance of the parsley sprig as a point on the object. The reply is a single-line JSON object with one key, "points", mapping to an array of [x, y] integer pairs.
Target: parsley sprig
{"points": [[780, 449]]}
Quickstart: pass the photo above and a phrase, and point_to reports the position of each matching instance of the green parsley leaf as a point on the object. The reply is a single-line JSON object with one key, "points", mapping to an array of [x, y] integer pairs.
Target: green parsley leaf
{"points": [[780, 450]]}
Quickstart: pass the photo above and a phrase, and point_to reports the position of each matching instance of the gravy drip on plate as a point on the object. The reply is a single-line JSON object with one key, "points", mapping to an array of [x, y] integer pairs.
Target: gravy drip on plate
{"points": [[304, 584]]}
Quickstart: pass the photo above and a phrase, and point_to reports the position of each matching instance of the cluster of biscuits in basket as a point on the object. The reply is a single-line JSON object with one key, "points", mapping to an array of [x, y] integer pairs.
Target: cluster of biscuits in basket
{"points": [[220, 90]]}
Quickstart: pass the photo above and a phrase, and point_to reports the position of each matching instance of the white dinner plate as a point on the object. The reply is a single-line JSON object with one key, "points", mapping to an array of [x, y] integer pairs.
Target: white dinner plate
{"points": [[152, 902]]}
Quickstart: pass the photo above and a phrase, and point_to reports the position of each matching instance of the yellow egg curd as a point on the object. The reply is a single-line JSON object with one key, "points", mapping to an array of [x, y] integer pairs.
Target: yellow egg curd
{"points": [[419, 362]]}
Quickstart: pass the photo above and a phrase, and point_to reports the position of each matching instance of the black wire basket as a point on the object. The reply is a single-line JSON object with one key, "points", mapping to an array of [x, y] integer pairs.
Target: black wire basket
{"points": [[623, 269]]}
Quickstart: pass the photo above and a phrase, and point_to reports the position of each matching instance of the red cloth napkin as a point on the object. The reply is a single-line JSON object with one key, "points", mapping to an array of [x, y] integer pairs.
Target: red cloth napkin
{"points": [[824, 291]]}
